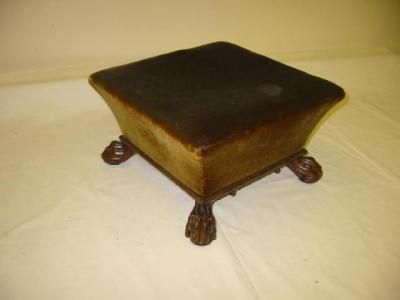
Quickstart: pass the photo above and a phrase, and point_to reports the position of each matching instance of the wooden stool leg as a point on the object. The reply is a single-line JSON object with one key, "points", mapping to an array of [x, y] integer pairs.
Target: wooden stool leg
{"points": [[117, 152], [200, 227], [306, 169]]}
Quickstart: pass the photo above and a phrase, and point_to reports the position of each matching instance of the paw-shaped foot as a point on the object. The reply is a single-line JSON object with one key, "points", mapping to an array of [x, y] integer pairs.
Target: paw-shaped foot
{"points": [[117, 152], [306, 169], [200, 227]]}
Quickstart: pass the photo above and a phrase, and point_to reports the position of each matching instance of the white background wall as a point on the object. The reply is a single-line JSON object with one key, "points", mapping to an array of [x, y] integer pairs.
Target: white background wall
{"points": [[51, 34]]}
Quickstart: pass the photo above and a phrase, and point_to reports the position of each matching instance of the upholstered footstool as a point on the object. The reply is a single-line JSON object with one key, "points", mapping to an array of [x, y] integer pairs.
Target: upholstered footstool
{"points": [[214, 119]]}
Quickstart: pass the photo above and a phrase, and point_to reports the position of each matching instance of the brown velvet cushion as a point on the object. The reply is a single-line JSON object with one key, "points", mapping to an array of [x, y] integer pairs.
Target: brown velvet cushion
{"points": [[215, 114]]}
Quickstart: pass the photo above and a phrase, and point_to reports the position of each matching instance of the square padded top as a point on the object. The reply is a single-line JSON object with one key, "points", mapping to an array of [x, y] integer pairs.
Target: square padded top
{"points": [[209, 93]]}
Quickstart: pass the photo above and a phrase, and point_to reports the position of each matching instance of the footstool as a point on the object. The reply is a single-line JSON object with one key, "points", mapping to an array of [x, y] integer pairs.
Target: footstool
{"points": [[214, 119]]}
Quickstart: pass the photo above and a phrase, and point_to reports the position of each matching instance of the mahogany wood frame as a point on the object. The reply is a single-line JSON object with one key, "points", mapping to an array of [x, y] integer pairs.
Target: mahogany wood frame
{"points": [[201, 224]]}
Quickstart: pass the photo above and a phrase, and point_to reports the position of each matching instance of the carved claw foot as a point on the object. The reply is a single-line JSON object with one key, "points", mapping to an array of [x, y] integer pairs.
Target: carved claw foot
{"points": [[200, 227], [306, 169], [117, 152]]}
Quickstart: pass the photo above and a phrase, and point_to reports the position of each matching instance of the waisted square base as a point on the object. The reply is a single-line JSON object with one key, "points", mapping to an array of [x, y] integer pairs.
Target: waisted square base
{"points": [[214, 119]]}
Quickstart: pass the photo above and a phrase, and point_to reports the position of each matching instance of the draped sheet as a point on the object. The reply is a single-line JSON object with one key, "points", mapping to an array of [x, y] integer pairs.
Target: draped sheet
{"points": [[72, 227]]}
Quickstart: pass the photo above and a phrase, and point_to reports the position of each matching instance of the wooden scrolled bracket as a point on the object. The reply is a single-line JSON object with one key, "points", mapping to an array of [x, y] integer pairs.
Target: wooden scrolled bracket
{"points": [[117, 152], [306, 168], [201, 226]]}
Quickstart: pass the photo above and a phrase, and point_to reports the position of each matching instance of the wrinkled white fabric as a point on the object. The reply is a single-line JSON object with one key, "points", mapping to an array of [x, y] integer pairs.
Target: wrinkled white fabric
{"points": [[72, 227]]}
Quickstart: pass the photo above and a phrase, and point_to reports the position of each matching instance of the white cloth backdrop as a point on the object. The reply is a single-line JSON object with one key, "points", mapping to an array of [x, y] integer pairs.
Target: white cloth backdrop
{"points": [[72, 227]]}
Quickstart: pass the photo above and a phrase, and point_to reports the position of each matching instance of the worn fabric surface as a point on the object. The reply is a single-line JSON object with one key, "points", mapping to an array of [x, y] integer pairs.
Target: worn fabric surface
{"points": [[72, 227]]}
